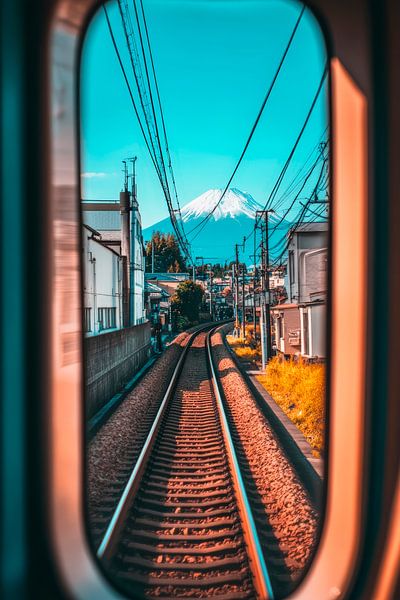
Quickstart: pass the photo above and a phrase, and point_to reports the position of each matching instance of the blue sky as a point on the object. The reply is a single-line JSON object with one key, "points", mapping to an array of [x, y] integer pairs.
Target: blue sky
{"points": [[214, 61]]}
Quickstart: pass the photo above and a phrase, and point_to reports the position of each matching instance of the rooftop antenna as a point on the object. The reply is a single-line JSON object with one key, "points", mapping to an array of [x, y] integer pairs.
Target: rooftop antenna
{"points": [[133, 159], [125, 172]]}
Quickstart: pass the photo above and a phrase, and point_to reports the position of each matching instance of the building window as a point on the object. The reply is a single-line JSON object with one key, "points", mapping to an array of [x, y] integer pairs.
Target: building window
{"points": [[87, 320], [107, 318]]}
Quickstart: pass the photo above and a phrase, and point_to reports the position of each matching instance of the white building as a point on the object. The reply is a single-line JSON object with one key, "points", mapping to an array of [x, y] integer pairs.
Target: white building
{"points": [[138, 267], [102, 284], [312, 327], [307, 286], [307, 262], [120, 227]]}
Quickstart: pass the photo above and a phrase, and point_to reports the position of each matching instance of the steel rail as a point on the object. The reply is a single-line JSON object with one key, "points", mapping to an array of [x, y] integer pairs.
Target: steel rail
{"points": [[258, 568], [261, 578], [110, 537]]}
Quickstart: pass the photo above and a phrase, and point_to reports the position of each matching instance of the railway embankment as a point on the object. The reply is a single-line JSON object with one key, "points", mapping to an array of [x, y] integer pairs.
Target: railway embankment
{"points": [[287, 504], [120, 439]]}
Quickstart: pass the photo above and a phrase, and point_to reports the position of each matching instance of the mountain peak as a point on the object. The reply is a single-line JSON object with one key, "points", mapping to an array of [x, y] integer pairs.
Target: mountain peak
{"points": [[234, 204]]}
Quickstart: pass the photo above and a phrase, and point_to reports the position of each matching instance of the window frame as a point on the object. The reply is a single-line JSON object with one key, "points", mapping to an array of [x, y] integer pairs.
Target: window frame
{"points": [[341, 528]]}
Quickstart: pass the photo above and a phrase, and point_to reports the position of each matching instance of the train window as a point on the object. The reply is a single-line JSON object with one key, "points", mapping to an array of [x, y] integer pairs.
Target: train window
{"points": [[205, 164], [203, 358]]}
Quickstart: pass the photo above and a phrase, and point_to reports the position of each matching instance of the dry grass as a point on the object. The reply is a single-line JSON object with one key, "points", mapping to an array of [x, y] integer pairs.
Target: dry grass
{"points": [[247, 352], [299, 389], [244, 348]]}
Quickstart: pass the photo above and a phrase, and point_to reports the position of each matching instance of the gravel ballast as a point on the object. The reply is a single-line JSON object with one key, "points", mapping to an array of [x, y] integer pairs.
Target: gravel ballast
{"points": [[288, 512], [119, 441]]}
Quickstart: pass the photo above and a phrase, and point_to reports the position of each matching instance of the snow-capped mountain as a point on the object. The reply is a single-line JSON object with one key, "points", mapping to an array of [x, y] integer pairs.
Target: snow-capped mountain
{"points": [[231, 221], [235, 203]]}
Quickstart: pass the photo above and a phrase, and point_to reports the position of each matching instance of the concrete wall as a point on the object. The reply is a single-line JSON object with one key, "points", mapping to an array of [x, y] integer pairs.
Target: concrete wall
{"points": [[111, 360]]}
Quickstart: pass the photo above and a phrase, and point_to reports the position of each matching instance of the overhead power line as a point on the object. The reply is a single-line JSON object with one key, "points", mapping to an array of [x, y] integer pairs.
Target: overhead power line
{"points": [[168, 160], [159, 104], [299, 219], [148, 123], [128, 86], [280, 178], [204, 221], [300, 135]]}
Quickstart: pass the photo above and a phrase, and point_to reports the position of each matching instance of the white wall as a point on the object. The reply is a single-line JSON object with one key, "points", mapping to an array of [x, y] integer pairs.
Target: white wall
{"points": [[316, 330], [313, 273], [307, 269], [102, 280], [318, 326], [139, 313]]}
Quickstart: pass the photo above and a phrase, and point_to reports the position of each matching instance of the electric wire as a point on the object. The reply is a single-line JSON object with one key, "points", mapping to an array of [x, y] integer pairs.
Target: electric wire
{"points": [[135, 63], [128, 86], [204, 221]]}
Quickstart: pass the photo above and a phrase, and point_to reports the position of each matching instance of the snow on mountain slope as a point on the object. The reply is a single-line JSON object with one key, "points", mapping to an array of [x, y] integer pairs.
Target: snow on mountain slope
{"points": [[233, 219], [235, 203]]}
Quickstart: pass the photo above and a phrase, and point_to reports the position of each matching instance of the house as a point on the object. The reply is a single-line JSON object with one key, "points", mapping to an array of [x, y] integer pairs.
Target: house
{"points": [[307, 262], [158, 302], [120, 228], [102, 284], [168, 281], [300, 324]]}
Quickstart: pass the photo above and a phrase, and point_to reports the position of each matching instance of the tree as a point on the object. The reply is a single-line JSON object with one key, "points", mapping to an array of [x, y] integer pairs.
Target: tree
{"points": [[187, 300], [167, 254]]}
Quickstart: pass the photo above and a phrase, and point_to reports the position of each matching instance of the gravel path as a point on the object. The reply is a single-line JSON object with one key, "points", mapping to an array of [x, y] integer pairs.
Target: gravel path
{"points": [[283, 507], [121, 438]]}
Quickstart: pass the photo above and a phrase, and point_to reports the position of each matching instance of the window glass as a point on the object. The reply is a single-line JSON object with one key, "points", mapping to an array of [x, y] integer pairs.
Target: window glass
{"points": [[205, 216]]}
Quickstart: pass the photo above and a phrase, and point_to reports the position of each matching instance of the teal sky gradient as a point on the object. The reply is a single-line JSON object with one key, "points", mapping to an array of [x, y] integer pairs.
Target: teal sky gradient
{"points": [[214, 60]]}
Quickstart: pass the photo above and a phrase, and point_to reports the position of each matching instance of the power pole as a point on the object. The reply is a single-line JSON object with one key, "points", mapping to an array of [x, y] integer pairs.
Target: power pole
{"points": [[125, 212], [265, 317], [254, 303], [237, 288], [152, 253], [132, 263], [243, 304], [210, 284], [267, 291]]}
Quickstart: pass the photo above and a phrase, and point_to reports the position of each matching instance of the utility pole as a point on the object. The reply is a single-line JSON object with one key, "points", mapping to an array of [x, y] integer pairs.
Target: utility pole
{"points": [[211, 296], [132, 264], [125, 210], [243, 304], [267, 290], [265, 317], [152, 253], [237, 326], [254, 301], [237, 274]]}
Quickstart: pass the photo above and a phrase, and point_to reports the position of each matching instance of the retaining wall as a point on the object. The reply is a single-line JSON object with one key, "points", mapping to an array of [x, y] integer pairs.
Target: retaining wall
{"points": [[112, 359]]}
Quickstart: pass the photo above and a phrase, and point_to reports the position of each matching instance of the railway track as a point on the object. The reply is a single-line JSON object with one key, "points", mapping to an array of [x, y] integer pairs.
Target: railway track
{"points": [[183, 526]]}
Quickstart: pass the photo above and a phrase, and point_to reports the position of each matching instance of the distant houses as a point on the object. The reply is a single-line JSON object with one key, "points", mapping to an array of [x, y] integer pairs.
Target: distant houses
{"points": [[160, 288]]}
